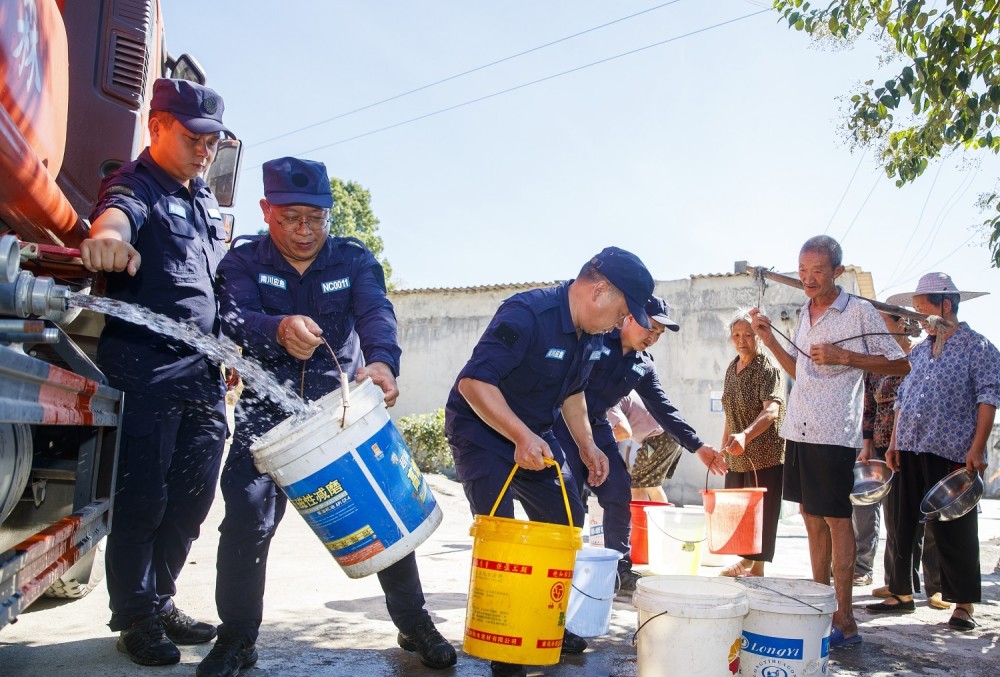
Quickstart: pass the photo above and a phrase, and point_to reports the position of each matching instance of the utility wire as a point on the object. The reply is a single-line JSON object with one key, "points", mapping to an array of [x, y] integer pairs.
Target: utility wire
{"points": [[523, 85], [913, 232], [846, 190], [462, 74], [878, 180], [928, 246], [931, 266]]}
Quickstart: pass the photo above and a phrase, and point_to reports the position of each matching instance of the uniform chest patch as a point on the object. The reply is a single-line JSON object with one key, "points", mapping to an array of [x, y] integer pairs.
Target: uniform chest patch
{"points": [[272, 281], [639, 369], [335, 285], [556, 354], [214, 213], [596, 355], [605, 350], [177, 210]]}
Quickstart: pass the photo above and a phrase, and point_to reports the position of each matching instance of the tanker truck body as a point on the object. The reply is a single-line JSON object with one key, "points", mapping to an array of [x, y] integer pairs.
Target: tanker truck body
{"points": [[76, 76]]}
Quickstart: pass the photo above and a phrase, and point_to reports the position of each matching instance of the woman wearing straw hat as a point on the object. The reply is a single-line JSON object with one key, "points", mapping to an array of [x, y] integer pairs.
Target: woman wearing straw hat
{"points": [[944, 413], [753, 398]]}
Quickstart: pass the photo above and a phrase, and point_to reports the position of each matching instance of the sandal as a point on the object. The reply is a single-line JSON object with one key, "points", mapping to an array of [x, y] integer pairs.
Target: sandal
{"points": [[901, 607], [737, 570], [963, 624], [838, 640]]}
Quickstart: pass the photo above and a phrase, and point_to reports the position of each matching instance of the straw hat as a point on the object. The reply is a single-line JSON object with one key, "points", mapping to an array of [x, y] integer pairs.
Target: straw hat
{"points": [[933, 283]]}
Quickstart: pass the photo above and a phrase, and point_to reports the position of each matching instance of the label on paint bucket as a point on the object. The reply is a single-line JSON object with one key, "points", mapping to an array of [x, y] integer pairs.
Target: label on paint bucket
{"points": [[774, 647], [347, 503]]}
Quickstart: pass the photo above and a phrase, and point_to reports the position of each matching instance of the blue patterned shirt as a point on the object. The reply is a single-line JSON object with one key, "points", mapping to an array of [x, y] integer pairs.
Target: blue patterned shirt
{"points": [[937, 403]]}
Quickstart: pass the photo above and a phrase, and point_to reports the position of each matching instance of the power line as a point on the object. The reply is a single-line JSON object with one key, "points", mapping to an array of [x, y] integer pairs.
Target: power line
{"points": [[920, 218], [878, 180], [931, 266], [462, 74], [928, 245], [846, 190], [524, 85]]}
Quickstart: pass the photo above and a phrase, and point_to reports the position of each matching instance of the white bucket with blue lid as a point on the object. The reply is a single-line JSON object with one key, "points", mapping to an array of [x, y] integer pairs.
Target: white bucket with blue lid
{"points": [[356, 485]]}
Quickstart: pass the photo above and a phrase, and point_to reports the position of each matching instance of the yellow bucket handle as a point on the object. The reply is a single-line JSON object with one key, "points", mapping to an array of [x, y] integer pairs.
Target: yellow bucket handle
{"points": [[562, 485]]}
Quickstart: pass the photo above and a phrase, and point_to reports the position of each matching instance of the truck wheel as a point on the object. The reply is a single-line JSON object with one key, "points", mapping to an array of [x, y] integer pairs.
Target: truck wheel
{"points": [[15, 465], [82, 577]]}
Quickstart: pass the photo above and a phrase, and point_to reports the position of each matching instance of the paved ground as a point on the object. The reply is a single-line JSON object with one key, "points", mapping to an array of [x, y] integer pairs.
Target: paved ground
{"points": [[320, 623]]}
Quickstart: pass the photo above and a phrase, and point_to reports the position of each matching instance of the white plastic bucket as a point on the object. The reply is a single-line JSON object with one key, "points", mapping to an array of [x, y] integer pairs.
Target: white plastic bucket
{"points": [[357, 487], [595, 522], [675, 538], [787, 631], [592, 597], [689, 625]]}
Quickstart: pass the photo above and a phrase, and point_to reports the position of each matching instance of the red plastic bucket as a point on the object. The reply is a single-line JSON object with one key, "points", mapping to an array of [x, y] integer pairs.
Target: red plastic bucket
{"points": [[735, 520], [639, 539]]}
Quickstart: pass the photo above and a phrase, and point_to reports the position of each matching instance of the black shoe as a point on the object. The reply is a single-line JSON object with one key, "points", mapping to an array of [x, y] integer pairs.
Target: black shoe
{"points": [[146, 643], [573, 643], [182, 629], [433, 649], [228, 657], [628, 580], [498, 669]]}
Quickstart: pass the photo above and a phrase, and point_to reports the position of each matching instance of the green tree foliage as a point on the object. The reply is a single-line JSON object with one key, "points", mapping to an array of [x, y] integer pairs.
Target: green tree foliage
{"points": [[945, 96], [352, 216], [424, 436]]}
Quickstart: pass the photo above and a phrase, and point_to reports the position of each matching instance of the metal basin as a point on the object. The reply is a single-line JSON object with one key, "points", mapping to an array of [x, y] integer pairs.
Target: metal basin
{"points": [[954, 496], [871, 482]]}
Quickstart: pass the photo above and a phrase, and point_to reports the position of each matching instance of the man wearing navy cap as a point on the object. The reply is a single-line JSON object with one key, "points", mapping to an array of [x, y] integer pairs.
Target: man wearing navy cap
{"points": [[158, 212], [535, 358], [283, 294], [625, 366]]}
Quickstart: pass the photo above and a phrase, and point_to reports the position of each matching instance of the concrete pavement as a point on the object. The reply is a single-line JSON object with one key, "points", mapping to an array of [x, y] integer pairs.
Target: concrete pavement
{"points": [[320, 623]]}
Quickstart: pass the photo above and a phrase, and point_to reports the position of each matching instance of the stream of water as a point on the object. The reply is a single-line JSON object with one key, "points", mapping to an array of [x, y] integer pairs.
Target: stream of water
{"points": [[220, 351]]}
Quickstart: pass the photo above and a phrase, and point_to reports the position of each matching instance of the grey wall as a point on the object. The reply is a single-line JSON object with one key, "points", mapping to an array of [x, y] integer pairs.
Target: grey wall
{"points": [[439, 327]]}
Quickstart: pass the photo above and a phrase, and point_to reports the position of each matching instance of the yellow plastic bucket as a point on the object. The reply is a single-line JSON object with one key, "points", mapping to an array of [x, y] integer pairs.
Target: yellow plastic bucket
{"points": [[522, 573]]}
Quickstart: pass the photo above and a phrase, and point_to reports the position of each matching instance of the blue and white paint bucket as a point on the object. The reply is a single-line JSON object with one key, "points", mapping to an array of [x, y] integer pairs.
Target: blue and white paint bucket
{"points": [[787, 631], [356, 485]]}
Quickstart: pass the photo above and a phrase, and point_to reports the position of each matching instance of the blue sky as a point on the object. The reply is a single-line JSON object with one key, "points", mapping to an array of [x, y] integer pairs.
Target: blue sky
{"points": [[723, 143]]}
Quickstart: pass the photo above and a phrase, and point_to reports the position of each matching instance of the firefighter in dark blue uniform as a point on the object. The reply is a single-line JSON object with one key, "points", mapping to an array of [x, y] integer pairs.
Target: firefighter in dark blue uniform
{"points": [[157, 232], [534, 359], [626, 366], [282, 295]]}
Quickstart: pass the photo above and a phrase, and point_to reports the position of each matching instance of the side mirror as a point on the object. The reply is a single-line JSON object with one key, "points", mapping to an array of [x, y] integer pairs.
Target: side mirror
{"points": [[186, 67], [229, 224], [224, 174]]}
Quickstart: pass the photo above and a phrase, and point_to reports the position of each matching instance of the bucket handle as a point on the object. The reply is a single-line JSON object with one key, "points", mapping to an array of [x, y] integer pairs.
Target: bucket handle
{"points": [[562, 485], [756, 483]]}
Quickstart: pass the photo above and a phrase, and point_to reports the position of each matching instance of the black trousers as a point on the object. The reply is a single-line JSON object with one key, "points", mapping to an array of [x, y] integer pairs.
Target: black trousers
{"points": [[957, 541], [168, 465]]}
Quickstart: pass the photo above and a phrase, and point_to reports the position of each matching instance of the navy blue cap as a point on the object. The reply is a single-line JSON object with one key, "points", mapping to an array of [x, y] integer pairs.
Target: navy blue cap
{"points": [[659, 310], [291, 181], [625, 271], [197, 107]]}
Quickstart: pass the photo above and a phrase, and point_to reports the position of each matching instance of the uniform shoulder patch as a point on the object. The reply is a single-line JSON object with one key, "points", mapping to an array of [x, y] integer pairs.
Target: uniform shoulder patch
{"points": [[355, 242], [120, 190], [507, 334]]}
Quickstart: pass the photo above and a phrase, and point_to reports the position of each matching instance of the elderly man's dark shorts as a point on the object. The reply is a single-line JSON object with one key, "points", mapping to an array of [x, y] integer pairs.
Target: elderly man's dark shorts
{"points": [[655, 461], [820, 477]]}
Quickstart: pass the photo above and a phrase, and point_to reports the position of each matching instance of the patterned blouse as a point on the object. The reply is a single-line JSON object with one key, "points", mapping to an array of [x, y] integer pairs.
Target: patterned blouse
{"points": [[880, 395], [743, 397], [937, 403]]}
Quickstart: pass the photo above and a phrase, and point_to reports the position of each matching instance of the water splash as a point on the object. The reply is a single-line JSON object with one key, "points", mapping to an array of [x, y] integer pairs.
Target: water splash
{"points": [[220, 351]]}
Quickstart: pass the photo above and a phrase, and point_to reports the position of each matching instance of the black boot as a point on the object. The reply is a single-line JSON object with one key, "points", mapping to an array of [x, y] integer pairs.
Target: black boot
{"points": [[146, 643], [573, 643], [230, 655], [433, 649], [182, 629]]}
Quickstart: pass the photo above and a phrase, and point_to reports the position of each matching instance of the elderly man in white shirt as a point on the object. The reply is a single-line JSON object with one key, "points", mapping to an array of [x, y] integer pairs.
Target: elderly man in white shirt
{"points": [[838, 338]]}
